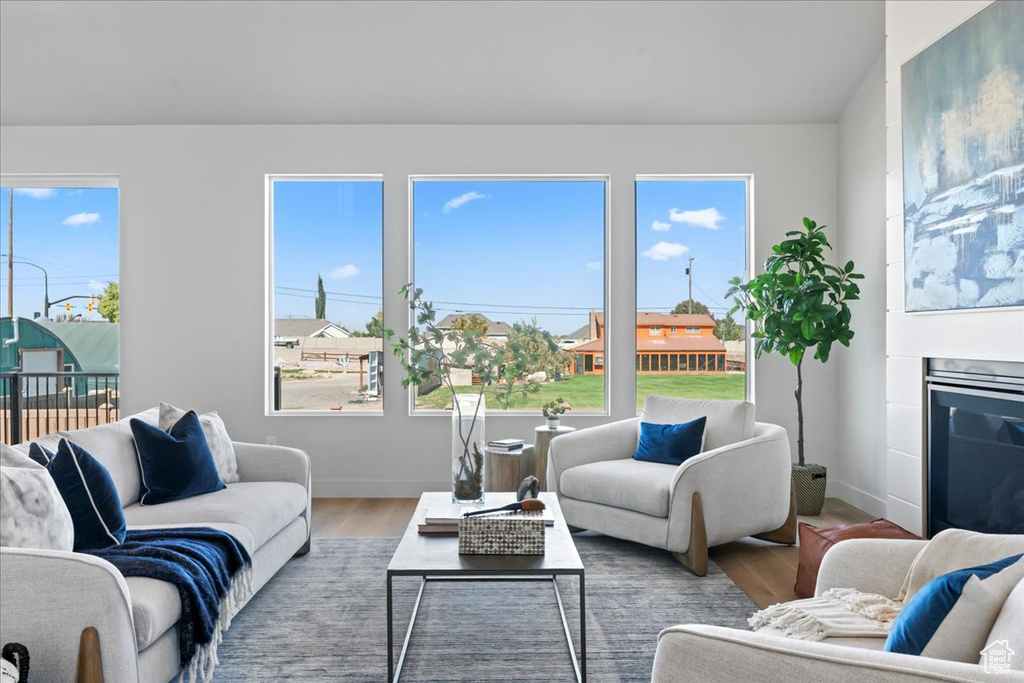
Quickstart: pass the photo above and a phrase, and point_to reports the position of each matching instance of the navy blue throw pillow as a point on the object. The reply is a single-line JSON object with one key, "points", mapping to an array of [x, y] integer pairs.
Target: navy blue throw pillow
{"points": [[670, 444], [88, 491], [175, 464]]}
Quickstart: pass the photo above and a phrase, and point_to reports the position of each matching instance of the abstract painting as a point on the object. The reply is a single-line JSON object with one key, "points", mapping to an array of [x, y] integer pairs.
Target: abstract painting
{"points": [[963, 166]]}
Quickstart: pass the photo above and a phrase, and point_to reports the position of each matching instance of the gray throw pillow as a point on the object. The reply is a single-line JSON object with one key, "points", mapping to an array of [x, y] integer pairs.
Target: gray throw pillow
{"points": [[216, 436], [32, 513]]}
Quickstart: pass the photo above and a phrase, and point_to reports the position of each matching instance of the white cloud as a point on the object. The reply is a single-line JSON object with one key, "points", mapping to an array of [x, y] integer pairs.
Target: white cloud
{"points": [[96, 286], [36, 192], [81, 219], [455, 203], [660, 226], [344, 272], [663, 251], [704, 218], [594, 265]]}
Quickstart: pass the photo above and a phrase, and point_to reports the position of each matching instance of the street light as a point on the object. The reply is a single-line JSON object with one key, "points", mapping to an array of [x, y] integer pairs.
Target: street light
{"points": [[46, 284]]}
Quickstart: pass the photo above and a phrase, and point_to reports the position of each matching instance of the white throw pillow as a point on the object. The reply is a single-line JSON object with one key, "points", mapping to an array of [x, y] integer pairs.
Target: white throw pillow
{"points": [[32, 513], [728, 422], [114, 447], [216, 436], [1009, 627], [961, 635]]}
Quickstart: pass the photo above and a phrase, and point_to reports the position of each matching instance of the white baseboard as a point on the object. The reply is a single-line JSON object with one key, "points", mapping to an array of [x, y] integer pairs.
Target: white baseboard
{"points": [[873, 505], [375, 488]]}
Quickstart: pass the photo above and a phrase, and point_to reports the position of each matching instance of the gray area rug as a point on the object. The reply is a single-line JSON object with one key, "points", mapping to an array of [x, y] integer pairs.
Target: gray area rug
{"points": [[323, 618]]}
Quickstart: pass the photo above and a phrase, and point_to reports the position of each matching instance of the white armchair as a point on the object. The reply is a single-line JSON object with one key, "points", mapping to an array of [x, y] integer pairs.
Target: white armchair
{"points": [[740, 485]]}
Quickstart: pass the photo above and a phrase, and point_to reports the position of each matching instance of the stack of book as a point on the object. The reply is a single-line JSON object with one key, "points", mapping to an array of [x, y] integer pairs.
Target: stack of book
{"points": [[505, 445], [444, 519]]}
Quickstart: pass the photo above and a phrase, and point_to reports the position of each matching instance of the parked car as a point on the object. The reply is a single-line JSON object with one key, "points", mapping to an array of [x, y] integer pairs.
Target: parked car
{"points": [[287, 342]]}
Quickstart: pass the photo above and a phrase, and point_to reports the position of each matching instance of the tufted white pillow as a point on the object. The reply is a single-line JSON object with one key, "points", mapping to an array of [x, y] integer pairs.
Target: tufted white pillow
{"points": [[32, 513]]}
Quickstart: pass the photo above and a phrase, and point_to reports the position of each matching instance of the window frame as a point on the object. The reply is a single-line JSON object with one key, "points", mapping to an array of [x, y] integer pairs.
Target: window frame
{"points": [[268, 313], [605, 178], [750, 263]]}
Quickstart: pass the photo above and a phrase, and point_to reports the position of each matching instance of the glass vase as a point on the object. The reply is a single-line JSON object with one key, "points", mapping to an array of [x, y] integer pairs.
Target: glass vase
{"points": [[468, 417]]}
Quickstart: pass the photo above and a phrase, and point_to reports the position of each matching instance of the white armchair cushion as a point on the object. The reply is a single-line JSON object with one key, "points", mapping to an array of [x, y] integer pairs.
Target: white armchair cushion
{"points": [[625, 483], [727, 421]]}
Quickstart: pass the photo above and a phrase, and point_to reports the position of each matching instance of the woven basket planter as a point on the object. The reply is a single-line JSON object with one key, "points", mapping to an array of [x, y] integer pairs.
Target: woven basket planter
{"points": [[809, 484]]}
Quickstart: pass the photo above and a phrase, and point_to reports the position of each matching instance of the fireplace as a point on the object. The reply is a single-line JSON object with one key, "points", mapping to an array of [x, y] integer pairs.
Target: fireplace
{"points": [[975, 459]]}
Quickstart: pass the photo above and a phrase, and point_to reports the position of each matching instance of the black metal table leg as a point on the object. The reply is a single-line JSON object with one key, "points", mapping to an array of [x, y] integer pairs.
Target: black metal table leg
{"points": [[583, 629], [391, 643]]}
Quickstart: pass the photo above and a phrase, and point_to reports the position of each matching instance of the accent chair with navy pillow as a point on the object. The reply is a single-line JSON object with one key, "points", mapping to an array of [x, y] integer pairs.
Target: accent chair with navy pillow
{"points": [[88, 492], [670, 444], [175, 464], [952, 615]]}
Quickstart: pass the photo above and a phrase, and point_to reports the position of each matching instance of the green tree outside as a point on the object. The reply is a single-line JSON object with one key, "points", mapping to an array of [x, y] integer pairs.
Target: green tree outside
{"points": [[321, 299], [684, 307], [110, 303]]}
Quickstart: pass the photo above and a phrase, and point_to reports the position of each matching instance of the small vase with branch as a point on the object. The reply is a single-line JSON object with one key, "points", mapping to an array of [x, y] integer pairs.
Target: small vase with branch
{"points": [[431, 356], [799, 304]]}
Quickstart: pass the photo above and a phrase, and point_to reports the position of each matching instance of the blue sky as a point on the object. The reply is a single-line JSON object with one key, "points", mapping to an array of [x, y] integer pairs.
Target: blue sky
{"points": [[512, 250], [334, 229], [679, 219], [72, 234]]}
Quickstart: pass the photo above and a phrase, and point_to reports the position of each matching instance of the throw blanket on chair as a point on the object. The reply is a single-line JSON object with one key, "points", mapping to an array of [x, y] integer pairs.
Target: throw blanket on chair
{"points": [[213, 574], [849, 613]]}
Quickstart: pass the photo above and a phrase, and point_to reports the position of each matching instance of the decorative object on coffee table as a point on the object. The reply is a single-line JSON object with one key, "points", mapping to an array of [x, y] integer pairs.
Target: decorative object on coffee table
{"points": [[553, 411], [429, 354], [501, 536], [528, 488], [815, 541], [543, 442], [799, 303]]}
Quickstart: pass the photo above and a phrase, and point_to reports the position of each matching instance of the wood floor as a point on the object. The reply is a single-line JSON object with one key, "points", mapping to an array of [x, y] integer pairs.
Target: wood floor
{"points": [[764, 571]]}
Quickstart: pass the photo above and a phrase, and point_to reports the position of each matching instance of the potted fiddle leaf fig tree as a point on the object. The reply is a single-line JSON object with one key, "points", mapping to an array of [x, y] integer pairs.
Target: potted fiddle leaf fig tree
{"points": [[431, 356], [799, 306]]}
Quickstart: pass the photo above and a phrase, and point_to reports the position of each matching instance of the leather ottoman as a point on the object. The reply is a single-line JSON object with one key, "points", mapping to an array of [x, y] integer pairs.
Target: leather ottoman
{"points": [[815, 541]]}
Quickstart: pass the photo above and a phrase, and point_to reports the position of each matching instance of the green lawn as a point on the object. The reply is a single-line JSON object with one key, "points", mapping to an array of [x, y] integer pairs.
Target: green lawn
{"points": [[587, 392]]}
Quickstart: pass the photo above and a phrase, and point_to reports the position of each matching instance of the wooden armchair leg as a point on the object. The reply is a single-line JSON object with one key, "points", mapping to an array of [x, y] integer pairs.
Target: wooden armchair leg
{"points": [[785, 534], [90, 667], [696, 556]]}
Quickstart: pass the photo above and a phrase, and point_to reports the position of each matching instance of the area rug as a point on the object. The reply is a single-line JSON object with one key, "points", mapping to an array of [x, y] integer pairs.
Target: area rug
{"points": [[323, 618]]}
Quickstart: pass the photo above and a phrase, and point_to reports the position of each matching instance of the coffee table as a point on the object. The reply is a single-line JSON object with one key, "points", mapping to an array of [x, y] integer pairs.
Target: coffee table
{"points": [[436, 558]]}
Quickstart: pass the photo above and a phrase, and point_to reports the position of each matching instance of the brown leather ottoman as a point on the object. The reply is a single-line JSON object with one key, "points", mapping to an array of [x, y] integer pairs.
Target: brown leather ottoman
{"points": [[814, 541]]}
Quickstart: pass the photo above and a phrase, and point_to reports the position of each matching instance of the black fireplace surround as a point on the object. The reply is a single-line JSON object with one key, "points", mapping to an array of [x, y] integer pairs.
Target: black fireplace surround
{"points": [[975, 461]]}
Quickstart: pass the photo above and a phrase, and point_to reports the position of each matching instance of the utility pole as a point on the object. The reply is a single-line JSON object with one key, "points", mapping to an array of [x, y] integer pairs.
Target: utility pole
{"points": [[10, 254], [689, 284]]}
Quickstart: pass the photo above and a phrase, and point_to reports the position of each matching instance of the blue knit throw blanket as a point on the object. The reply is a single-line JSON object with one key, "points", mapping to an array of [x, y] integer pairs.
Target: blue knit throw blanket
{"points": [[212, 573]]}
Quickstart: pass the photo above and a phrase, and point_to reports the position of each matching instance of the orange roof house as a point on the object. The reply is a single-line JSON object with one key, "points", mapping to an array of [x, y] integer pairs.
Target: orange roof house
{"points": [[665, 343]]}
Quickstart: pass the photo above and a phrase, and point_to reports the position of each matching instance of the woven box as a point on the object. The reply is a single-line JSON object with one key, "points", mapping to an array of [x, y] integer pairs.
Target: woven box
{"points": [[501, 536]]}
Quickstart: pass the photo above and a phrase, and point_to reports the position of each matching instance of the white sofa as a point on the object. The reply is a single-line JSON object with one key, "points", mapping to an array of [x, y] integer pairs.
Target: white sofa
{"points": [[740, 485], [48, 597], [712, 654]]}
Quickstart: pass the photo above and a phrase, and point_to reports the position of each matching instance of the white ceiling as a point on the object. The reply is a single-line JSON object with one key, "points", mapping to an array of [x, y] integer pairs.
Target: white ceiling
{"points": [[88, 62]]}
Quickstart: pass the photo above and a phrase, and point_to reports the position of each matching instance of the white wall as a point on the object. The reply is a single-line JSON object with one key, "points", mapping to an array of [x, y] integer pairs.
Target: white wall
{"points": [[911, 27], [859, 475], [192, 261]]}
